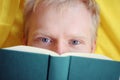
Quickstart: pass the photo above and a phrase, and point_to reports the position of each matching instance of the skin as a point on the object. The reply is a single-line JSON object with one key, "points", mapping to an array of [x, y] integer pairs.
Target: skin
{"points": [[67, 30]]}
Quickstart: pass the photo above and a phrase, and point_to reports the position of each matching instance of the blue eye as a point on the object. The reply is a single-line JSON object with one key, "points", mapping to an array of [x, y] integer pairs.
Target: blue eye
{"points": [[46, 40], [74, 42]]}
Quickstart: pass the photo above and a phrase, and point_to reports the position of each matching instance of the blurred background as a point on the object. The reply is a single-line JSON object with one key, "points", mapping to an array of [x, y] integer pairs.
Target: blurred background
{"points": [[108, 39]]}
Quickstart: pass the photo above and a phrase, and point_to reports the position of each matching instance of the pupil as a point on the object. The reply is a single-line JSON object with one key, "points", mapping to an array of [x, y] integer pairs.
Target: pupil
{"points": [[45, 40], [75, 42]]}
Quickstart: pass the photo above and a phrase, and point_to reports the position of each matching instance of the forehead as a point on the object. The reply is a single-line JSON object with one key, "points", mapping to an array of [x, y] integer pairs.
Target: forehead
{"points": [[74, 20]]}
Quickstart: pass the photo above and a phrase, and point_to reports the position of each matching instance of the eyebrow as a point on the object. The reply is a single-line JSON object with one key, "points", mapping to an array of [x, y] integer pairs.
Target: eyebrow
{"points": [[77, 36], [53, 36], [43, 34]]}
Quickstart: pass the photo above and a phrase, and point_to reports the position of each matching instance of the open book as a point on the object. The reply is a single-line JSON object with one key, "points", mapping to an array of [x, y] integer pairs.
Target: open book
{"points": [[30, 63]]}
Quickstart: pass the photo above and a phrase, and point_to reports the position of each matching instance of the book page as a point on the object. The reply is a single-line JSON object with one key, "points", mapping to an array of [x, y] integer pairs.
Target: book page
{"points": [[31, 49], [48, 52], [88, 55]]}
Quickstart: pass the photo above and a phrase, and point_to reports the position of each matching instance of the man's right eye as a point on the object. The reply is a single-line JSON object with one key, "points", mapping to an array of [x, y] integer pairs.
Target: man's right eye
{"points": [[45, 40]]}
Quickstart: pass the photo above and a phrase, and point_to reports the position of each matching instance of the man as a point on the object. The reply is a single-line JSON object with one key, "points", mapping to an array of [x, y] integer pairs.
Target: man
{"points": [[62, 25]]}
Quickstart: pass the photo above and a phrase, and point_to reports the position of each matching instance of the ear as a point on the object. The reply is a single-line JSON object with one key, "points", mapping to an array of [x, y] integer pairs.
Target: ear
{"points": [[93, 46]]}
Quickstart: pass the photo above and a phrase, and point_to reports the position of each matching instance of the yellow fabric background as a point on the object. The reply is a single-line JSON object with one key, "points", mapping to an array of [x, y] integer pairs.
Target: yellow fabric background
{"points": [[11, 21], [108, 42], [11, 26]]}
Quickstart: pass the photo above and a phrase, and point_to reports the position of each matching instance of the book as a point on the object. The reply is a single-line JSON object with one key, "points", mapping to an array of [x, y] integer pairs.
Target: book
{"points": [[30, 63]]}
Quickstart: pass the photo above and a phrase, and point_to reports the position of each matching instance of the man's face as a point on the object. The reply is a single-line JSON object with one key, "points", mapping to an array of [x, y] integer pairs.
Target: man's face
{"points": [[67, 30]]}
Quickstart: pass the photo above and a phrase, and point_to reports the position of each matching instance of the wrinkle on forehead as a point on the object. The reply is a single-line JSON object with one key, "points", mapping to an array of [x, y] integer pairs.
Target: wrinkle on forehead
{"points": [[63, 23]]}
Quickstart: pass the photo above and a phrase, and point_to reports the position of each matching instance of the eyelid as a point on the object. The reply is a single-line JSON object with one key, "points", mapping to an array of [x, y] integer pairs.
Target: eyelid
{"points": [[40, 37], [46, 38]]}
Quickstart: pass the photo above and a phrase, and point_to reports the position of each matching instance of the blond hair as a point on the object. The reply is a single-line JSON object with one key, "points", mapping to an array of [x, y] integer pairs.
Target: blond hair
{"points": [[30, 6]]}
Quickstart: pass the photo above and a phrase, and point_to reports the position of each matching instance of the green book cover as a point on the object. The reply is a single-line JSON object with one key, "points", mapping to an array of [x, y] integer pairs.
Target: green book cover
{"points": [[28, 63], [16, 65], [93, 69]]}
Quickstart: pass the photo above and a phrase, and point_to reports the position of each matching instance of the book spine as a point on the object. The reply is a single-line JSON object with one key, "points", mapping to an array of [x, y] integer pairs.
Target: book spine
{"points": [[59, 68]]}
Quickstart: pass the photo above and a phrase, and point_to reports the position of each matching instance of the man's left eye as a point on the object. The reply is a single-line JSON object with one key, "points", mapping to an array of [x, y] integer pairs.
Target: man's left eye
{"points": [[75, 42]]}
